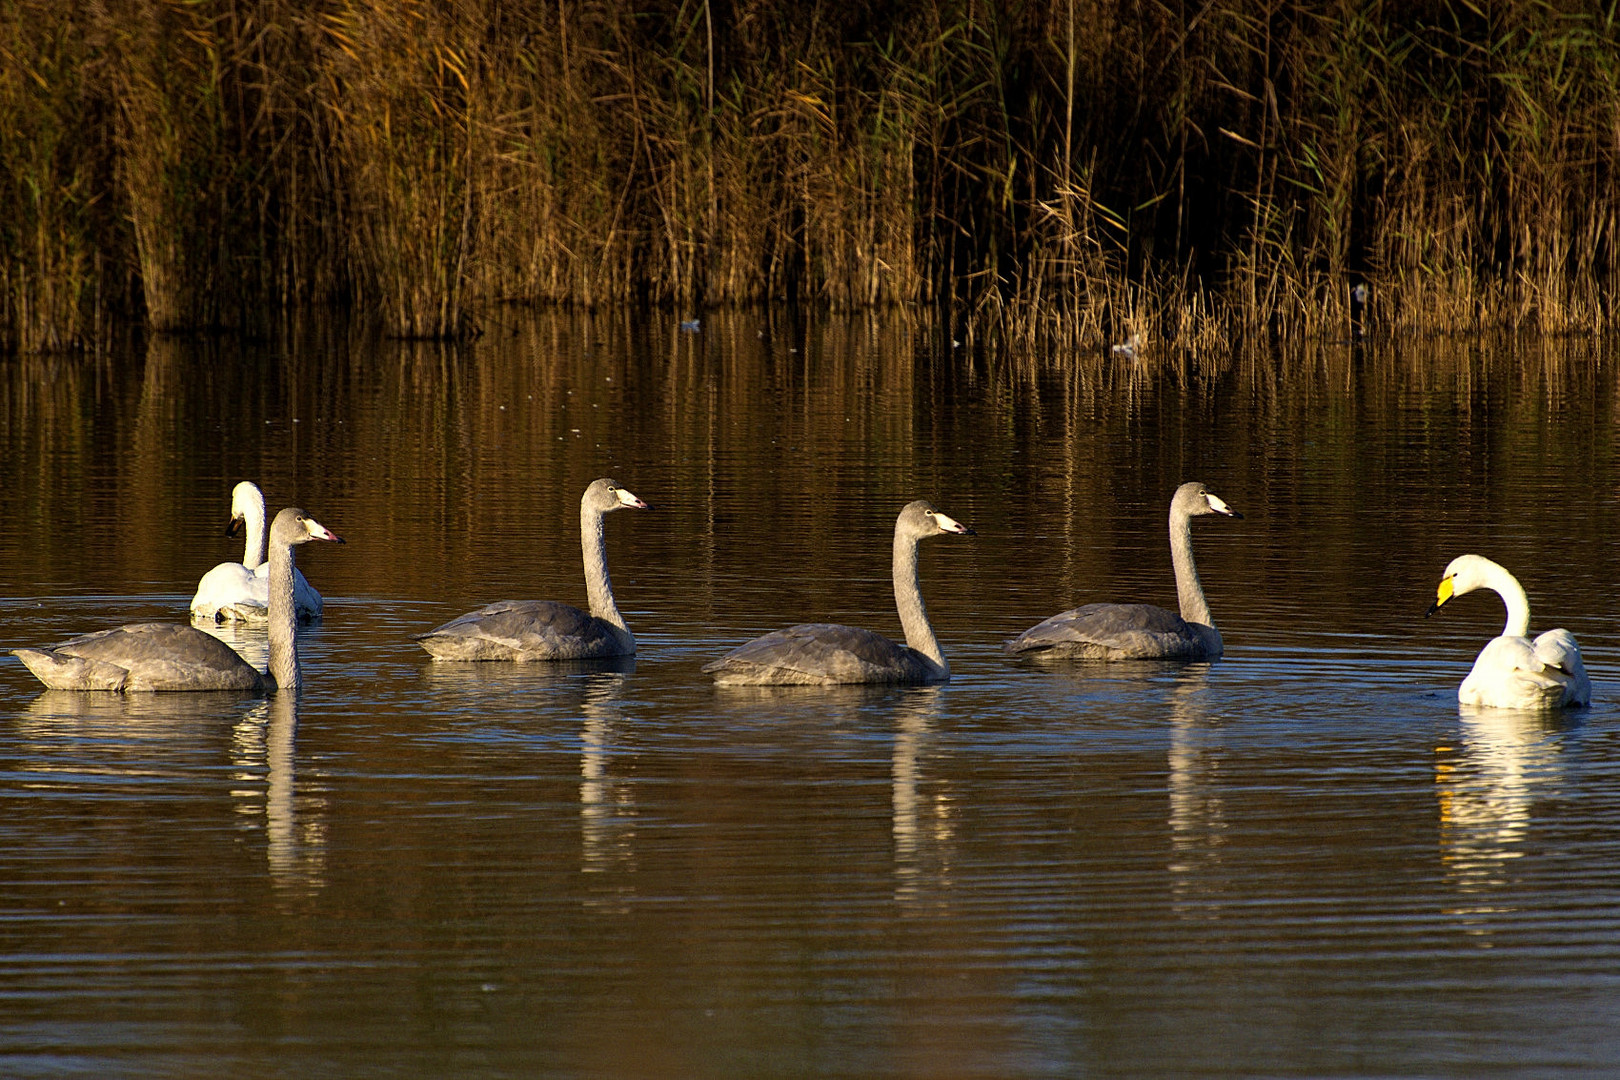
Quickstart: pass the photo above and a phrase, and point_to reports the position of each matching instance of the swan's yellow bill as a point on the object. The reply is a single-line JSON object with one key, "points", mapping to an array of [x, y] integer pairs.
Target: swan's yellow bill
{"points": [[1443, 593]]}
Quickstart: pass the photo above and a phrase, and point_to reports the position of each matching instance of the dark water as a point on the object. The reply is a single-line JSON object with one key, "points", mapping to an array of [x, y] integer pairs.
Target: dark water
{"points": [[1303, 859]]}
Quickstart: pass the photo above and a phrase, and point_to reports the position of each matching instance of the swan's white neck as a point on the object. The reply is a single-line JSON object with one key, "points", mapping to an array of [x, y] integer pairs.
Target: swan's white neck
{"points": [[253, 524], [1513, 595], [1189, 590], [598, 586], [284, 667], [908, 599]]}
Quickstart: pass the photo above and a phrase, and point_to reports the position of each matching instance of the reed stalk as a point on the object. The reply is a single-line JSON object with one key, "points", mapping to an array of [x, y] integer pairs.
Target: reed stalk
{"points": [[1058, 173]]}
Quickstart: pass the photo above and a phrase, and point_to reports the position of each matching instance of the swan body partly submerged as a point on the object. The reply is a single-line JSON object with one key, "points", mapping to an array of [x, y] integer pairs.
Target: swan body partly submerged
{"points": [[165, 656], [822, 654], [1140, 631], [240, 592], [525, 630], [1513, 671]]}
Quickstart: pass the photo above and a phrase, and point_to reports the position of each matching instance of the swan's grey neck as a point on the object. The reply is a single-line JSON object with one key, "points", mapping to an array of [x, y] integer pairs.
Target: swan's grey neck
{"points": [[1512, 593], [253, 547], [284, 667], [598, 586], [908, 599], [1189, 590]]}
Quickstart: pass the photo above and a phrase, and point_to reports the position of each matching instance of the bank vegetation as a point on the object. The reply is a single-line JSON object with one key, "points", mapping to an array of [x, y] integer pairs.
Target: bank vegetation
{"points": [[1047, 171]]}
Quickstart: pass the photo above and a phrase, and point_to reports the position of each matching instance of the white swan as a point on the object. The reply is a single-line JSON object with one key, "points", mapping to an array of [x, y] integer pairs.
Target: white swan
{"points": [[240, 592], [523, 630], [166, 656], [1140, 631], [1511, 671], [824, 654]]}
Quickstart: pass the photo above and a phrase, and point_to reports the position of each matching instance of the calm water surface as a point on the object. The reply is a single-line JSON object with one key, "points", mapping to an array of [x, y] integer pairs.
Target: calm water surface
{"points": [[1304, 859]]}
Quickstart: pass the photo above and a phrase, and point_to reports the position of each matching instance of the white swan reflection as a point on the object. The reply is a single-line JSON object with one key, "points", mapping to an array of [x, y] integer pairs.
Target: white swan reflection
{"points": [[263, 746], [1487, 784], [250, 640]]}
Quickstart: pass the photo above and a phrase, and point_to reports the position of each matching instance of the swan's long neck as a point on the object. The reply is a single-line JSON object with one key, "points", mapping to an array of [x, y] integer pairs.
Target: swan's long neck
{"points": [[908, 599], [1518, 604], [284, 666], [598, 586], [1189, 590], [253, 546]]}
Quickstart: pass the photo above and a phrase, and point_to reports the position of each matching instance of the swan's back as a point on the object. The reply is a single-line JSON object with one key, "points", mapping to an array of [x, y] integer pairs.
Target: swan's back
{"points": [[821, 654], [524, 630], [1117, 632], [1510, 673], [1558, 651], [142, 656]]}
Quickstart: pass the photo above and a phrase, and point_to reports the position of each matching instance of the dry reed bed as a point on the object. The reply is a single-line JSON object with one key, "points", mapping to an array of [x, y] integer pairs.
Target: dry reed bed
{"points": [[1054, 172]]}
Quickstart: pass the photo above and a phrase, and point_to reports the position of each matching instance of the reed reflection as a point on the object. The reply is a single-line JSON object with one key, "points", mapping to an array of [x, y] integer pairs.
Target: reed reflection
{"points": [[1487, 785]]}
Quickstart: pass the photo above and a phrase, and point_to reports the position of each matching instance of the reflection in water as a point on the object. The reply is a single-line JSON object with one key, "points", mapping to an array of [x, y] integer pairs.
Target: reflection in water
{"points": [[251, 642], [264, 742], [1197, 809], [923, 826], [122, 729], [161, 739], [1487, 785], [607, 809]]}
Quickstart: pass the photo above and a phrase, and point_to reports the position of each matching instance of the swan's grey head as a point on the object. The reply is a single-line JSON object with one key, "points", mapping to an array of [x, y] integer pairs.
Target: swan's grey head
{"points": [[922, 519], [1193, 499], [293, 526], [246, 501], [1463, 575], [605, 495]]}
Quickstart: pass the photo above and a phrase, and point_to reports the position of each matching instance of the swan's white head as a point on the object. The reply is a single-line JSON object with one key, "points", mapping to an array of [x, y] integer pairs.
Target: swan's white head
{"points": [[1466, 573], [247, 506]]}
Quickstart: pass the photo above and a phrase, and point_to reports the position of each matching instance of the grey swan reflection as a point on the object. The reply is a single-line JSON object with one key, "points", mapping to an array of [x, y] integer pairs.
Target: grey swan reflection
{"points": [[528, 630], [923, 822], [829, 654], [240, 592], [1140, 631], [294, 849], [607, 805], [1511, 671], [169, 657]]}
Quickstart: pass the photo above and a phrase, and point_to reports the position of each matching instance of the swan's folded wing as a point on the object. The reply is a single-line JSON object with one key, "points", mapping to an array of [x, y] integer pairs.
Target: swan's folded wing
{"points": [[150, 656], [1557, 649], [521, 630], [66, 672], [306, 600], [819, 654], [1109, 631], [1509, 674], [232, 592]]}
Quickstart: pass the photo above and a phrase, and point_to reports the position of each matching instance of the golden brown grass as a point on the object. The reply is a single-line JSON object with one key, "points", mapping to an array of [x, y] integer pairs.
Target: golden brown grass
{"points": [[1059, 173]]}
